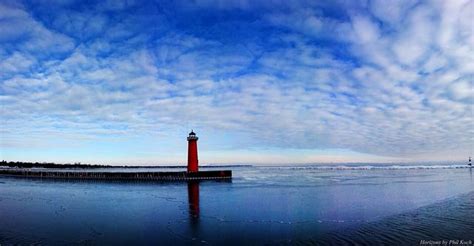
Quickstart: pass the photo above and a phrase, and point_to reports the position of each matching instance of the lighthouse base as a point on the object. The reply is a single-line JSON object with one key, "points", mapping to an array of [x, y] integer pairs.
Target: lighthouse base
{"points": [[138, 176]]}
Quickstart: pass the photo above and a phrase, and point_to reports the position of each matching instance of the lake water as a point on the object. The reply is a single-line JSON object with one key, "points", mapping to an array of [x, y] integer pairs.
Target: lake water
{"points": [[371, 204]]}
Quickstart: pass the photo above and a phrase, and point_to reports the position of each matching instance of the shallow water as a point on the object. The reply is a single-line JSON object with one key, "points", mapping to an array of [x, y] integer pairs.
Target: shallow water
{"points": [[305, 204]]}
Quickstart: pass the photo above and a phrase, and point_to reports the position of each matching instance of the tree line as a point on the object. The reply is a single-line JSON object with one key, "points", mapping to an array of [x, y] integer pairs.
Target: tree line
{"points": [[21, 164]]}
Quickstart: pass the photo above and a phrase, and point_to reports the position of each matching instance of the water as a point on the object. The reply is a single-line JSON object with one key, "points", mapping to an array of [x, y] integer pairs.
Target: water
{"points": [[345, 204]]}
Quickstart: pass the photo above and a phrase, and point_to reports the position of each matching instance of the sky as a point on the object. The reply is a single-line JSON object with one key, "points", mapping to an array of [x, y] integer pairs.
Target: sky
{"points": [[260, 82]]}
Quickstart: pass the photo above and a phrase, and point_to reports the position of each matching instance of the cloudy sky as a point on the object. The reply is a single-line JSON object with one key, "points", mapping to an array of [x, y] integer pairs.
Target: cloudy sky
{"points": [[124, 81]]}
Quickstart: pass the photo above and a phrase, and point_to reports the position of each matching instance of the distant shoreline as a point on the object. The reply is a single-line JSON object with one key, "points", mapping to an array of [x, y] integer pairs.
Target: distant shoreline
{"points": [[19, 164]]}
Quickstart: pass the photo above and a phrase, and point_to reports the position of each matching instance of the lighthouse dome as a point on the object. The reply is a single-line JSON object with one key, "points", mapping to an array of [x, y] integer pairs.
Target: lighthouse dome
{"points": [[192, 136]]}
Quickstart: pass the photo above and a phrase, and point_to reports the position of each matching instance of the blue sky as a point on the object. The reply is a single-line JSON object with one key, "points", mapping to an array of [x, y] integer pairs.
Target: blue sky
{"points": [[123, 82]]}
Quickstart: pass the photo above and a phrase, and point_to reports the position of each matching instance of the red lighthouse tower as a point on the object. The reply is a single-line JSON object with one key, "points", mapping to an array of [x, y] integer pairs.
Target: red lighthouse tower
{"points": [[192, 152]]}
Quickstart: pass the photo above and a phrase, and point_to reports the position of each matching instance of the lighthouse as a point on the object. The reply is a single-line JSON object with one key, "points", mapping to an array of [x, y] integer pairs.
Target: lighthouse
{"points": [[192, 152]]}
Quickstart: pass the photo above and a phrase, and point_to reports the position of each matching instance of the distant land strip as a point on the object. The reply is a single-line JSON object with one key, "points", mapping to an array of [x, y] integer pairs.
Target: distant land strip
{"points": [[19, 164]]}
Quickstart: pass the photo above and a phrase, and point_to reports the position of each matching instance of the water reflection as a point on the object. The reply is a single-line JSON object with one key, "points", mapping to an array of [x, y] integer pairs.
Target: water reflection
{"points": [[193, 200], [470, 172]]}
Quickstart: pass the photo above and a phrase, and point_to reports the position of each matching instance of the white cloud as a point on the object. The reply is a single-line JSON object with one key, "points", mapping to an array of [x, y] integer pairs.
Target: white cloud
{"points": [[461, 90], [16, 63], [414, 40], [17, 26], [391, 12], [365, 30]]}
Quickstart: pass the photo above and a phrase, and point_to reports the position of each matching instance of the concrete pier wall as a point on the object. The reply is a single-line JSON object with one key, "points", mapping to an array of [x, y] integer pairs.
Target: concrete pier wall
{"points": [[142, 176]]}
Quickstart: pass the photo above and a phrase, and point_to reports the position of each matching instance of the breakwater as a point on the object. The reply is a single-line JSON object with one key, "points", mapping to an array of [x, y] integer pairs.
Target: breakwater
{"points": [[141, 176]]}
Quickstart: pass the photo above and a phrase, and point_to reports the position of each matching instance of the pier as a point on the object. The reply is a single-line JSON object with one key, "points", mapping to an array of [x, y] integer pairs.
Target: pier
{"points": [[138, 176]]}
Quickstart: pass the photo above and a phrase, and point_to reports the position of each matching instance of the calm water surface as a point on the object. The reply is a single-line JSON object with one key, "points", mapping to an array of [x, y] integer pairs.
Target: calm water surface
{"points": [[262, 205]]}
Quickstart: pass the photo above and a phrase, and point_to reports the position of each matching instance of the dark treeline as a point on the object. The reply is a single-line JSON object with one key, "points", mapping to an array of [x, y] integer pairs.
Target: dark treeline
{"points": [[20, 164]]}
